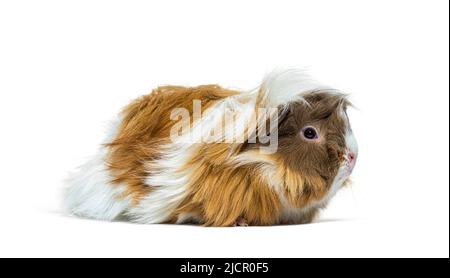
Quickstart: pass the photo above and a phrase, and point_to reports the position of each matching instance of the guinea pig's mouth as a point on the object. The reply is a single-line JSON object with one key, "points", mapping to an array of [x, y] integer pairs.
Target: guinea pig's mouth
{"points": [[349, 168], [346, 170]]}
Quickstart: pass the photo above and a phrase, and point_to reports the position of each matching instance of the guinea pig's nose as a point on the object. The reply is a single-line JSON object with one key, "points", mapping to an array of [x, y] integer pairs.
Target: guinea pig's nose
{"points": [[351, 157]]}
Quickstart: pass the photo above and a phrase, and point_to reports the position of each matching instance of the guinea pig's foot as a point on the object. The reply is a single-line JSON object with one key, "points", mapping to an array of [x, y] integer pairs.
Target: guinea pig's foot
{"points": [[240, 222]]}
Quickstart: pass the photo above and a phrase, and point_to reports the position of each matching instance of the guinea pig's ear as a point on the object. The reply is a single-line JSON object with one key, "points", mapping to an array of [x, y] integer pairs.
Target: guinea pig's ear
{"points": [[287, 124], [343, 103]]}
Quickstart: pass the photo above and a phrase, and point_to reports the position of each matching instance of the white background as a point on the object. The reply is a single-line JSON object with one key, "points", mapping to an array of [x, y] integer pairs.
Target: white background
{"points": [[66, 67]]}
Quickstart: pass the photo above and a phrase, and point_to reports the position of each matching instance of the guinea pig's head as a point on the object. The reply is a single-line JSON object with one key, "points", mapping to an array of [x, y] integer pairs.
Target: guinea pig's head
{"points": [[316, 142]]}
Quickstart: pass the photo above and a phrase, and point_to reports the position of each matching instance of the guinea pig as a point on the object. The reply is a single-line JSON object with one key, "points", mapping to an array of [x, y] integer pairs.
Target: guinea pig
{"points": [[219, 157]]}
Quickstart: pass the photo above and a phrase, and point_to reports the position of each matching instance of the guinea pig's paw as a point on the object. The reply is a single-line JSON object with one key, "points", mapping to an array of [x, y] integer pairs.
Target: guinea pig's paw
{"points": [[240, 222]]}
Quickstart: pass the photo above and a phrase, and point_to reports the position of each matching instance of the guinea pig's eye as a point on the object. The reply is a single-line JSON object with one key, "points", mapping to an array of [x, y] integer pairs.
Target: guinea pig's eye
{"points": [[310, 133]]}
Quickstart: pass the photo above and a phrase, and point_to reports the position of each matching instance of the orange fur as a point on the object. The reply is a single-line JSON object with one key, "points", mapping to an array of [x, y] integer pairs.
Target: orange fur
{"points": [[145, 127]]}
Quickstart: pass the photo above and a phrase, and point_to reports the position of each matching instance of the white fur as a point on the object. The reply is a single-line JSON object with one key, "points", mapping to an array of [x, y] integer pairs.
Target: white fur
{"points": [[168, 181], [90, 193], [169, 186], [350, 140], [282, 86]]}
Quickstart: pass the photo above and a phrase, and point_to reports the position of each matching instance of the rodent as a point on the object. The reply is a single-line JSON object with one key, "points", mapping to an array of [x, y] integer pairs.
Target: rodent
{"points": [[156, 167]]}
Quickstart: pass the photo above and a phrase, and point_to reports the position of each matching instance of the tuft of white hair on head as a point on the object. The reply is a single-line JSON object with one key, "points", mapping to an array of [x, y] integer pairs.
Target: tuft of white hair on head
{"points": [[281, 86]]}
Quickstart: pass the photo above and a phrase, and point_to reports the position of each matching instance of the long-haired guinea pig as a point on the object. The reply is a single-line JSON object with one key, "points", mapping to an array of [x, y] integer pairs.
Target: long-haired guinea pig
{"points": [[220, 157]]}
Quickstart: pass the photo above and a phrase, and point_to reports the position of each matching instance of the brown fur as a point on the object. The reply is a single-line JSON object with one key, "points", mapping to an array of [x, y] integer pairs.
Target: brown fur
{"points": [[220, 195], [146, 126], [220, 191], [311, 167]]}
